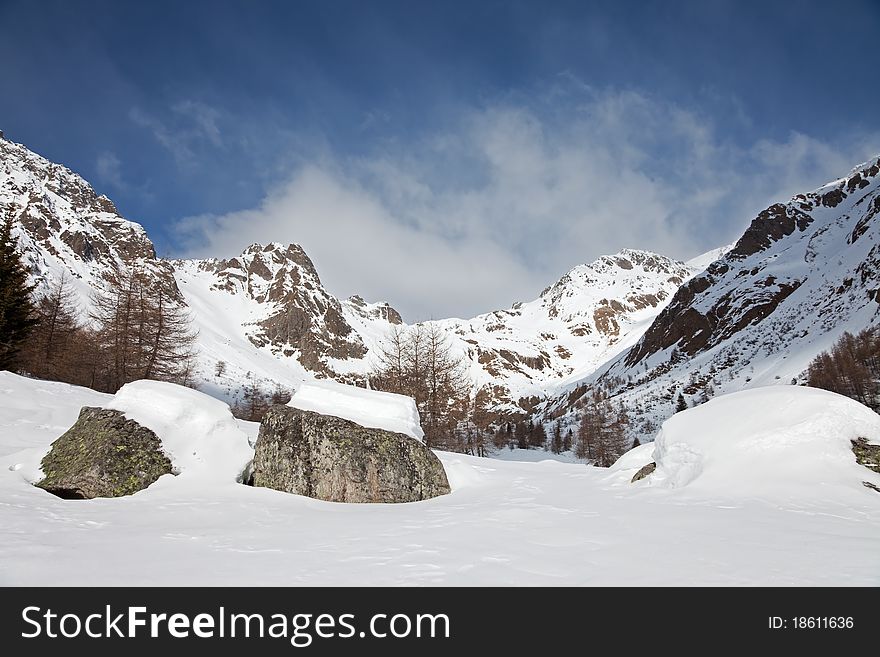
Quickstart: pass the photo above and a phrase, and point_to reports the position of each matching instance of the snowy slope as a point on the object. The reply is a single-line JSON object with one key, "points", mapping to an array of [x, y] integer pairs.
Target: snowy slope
{"points": [[802, 274], [504, 523], [590, 315]]}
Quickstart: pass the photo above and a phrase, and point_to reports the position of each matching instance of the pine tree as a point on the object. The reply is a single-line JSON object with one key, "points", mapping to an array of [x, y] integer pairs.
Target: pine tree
{"points": [[636, 442], [556, 443], [567, 441], [680, 403], [521, 435], [537, 435], [17, 318]]}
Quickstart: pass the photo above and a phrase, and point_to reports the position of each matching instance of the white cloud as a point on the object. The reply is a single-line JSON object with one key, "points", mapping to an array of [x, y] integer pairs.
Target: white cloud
{"points": [[499, 206]]}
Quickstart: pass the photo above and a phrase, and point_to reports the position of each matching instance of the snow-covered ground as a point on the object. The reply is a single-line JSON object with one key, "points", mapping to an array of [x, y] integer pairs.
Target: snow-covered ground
{"points": [[508, 523]]}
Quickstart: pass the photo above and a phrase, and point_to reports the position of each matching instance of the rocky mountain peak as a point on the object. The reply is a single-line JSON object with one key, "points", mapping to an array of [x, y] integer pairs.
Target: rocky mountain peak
{"points": [[63, 225]]}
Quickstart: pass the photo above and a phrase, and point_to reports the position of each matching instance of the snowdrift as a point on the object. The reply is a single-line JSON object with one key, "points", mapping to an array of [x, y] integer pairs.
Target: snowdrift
{"points": [[775, 441], [369, 408], [505, 523], [198, 433]]}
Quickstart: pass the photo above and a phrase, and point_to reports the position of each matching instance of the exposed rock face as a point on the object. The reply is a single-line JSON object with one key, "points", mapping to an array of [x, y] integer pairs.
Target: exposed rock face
{"points": [[336, 460], [103, 455], [644, 472], [300, 319], [63, 225], [576, 324], [822, 245]]}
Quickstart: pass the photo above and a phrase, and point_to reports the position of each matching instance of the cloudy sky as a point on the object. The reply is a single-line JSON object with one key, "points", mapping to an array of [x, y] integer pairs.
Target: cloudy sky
{"points": [[449, 157]]}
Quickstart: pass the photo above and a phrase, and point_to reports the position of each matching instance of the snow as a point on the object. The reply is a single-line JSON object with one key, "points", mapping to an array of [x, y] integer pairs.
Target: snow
{"points": [[198, 433], [772, 442], [703, 260], [369, 408], [505, 523]]}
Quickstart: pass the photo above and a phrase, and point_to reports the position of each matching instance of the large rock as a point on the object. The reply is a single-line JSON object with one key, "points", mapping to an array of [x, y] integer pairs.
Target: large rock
{"points": [[103, 455], [336, 460]]}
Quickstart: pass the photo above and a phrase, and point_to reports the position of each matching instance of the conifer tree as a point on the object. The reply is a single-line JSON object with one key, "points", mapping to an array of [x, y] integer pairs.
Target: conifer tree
{"points": [[556, 443], [17, 318], [680, 403]]}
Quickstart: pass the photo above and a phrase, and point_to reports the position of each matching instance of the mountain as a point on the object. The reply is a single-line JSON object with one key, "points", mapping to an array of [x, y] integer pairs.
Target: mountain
{"points": [[642, 325], [266, 315], [591, 314], [65, 227], [802, 273]]}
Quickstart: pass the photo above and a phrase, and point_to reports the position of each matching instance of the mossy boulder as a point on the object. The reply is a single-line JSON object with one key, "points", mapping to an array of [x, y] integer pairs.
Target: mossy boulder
{"points": [[332, 459], [103, 455]]}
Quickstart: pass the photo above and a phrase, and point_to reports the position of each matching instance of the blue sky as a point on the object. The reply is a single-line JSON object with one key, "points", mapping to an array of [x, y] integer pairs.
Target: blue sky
{"points": [[450, 157]]}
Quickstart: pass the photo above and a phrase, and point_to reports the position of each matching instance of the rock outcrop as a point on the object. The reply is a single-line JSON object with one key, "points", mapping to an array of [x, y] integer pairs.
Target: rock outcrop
{"points": [[644, 472], [103, 454], [336, 460]]}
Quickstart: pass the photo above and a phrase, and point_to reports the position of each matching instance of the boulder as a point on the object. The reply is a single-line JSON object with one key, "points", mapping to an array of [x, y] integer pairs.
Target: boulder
{"points": [[103, 455], [644, 472], [329, 458]]}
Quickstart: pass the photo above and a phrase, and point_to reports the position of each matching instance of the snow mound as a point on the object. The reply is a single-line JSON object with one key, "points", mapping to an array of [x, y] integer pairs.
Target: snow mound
{"points": [[369, 408], [772, 441], [198, 433], [635, 459]]}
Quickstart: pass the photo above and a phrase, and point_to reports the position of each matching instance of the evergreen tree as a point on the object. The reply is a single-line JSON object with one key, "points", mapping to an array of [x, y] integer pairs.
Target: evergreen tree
{"points": [[556, 443], [17, 318], [566, 442], [521, 435], [537, 435], [636, 442], [680, 403]]}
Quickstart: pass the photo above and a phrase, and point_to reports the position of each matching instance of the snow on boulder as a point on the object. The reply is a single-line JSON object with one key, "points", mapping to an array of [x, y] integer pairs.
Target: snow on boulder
{"points": [[773, 441], [368, 408], [198, 433]]}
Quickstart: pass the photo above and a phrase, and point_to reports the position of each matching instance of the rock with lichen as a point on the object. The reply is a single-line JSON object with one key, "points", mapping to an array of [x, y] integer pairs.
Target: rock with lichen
{"points": [[336, 460], [104, 454]]}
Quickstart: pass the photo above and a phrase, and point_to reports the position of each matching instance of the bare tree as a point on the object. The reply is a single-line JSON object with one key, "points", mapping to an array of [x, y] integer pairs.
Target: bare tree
{"points": [[419, 362], [143, 332], [601, 437], [51, 349]]}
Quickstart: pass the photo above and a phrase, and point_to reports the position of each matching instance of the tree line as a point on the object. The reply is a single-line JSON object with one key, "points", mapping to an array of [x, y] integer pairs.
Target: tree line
{"points": [[135, 328], [851, 368]]}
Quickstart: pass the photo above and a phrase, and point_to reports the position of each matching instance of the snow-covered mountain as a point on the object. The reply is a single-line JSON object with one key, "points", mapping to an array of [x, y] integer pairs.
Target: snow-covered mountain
{"points": [[591, 314], [802, 273], [266, 314], [64, 226], [645, 325]]}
